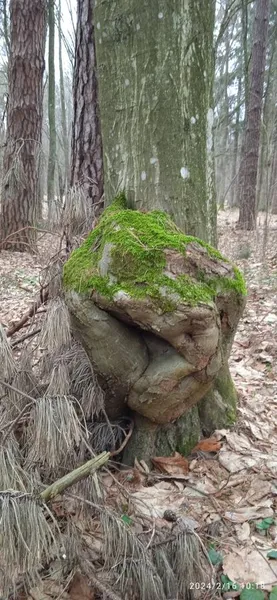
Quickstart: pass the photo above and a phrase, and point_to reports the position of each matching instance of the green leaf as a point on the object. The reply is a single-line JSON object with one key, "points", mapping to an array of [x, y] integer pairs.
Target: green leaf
{"points": [[126, 519], [252, 594], [229, 585], [273, 593], [265, 523], [272, 554], [215, 557]]}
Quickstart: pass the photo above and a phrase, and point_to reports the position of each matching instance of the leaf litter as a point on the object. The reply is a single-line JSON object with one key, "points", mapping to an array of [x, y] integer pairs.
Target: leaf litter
{"points": [[228, 491]]}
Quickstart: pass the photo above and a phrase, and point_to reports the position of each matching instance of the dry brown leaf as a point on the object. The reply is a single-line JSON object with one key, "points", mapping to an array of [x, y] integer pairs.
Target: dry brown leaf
{"points": [[172, 465], [208, 445], [79, 588]]}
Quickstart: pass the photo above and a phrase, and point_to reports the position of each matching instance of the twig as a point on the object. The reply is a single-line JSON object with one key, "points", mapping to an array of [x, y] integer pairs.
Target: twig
{"points": [[73, 477], [25, 337], [116, 452], [14, 389], [30, 313], [101, 587], [10, 426]]}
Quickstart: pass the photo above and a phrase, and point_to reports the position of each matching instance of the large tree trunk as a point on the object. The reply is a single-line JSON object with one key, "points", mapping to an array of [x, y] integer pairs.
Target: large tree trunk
{"points": [[250, 154], [156, 69], [86, 147], [20, 191]]}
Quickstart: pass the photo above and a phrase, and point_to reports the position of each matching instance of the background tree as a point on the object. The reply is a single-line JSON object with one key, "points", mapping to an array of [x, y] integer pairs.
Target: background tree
{"points": [[24, 122], [51, 110], [86, 146], [156, 72], [250, 153]]}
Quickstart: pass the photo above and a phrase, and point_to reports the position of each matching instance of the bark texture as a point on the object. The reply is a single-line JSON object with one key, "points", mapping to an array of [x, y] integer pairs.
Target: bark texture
{"points": [[20, 188], [250, 152], [156, 68], [51, 111], [86, 148]]}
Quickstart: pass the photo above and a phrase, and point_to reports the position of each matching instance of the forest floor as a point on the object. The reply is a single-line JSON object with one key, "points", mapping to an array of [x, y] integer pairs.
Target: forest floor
{"points": [[231, 495]]}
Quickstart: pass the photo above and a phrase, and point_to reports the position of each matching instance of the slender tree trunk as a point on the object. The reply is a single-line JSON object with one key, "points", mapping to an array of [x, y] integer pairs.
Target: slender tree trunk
{"points": [[86, 146], [250, 155], [266, 150], [156, 69], [224, 161], [24, 124], [65, 140], [234, 184], [51, 112], [6, 28]]}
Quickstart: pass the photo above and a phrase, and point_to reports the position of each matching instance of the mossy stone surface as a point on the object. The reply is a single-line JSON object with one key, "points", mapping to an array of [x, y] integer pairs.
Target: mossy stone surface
{"points": [[134, 244]]}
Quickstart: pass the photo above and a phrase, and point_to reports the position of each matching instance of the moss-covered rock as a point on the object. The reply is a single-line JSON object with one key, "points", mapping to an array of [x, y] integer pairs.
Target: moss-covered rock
{"points": [[130, 251]]}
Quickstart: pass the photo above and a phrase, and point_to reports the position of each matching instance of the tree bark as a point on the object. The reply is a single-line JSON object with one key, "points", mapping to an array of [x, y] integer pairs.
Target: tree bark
{"points": [[51, 112], [86, 147], [156, 70], [20, 188], [65, 141], [250, 154]]}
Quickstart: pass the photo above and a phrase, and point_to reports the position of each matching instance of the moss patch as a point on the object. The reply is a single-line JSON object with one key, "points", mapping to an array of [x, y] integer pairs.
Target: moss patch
{"points": [[137, 260]]}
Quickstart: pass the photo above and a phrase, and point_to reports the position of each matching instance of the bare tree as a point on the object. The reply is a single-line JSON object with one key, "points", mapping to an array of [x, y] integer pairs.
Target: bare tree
{"points": [[51, 109], [250, 152], [20, 187], [86, 148]]}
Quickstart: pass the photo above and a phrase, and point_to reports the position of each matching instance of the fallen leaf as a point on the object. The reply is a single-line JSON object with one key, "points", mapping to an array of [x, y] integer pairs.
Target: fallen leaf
{"points": [[172, 465], [207, 445], [79, 588]]}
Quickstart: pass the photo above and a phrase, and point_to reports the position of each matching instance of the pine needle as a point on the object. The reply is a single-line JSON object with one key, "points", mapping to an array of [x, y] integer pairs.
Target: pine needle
{"points": [[26, 538], [7, 362], [125, 554], [59, 384], [56, 329], [12, 475], [54, 433], [84, 384]]}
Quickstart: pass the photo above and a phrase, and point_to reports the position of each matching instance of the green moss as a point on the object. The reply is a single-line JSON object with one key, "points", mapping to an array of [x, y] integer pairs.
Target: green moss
{"points": [[137, 261]]}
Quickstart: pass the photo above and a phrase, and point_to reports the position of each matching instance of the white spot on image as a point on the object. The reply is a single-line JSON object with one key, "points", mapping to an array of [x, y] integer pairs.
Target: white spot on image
{"points": [[153, 160], [184, 173], [161, 15], [98, 25], [143, 176], [193, 120], [127, 82], [100, 41], [197, 117], [210, 121], [117, 147], [137, 26]]}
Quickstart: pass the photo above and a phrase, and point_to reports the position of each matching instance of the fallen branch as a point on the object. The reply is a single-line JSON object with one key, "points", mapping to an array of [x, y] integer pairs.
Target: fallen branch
{"points": [[62, 484], [30, 312], [25, 337], [101, 587]]}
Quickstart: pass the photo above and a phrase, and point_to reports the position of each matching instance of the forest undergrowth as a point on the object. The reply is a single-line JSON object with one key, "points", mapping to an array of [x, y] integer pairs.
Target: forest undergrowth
{"points": [[226, 491]]}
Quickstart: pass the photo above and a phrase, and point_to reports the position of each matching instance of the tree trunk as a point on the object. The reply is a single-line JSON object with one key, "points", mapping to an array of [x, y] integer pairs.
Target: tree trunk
{"points": [[234, 183], [51, 113], [156, 71], [20, 191], [65, 141], [86, 147], [250, 154]]}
